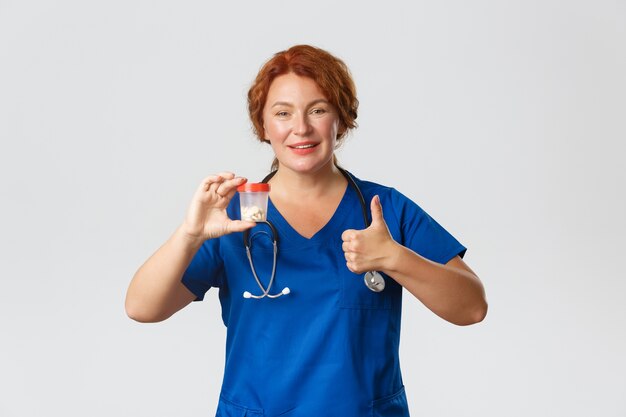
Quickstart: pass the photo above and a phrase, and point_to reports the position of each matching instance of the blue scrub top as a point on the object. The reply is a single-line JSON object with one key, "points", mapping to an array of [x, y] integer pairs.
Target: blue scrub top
{"points": [[330, 347]]}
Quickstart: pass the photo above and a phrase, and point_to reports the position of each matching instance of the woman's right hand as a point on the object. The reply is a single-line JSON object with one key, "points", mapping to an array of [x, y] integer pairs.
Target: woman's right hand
{"points": [[206, 217]]}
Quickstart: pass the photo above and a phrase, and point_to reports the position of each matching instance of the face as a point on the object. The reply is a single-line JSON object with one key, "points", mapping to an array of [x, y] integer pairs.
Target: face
{"points": [[300, 123]]}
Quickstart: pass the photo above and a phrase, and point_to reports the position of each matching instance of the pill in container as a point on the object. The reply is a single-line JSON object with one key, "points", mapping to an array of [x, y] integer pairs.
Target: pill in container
{"points": [[253, 201]]}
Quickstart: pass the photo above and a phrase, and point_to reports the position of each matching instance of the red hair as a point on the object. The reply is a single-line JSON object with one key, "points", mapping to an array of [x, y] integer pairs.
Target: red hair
{"points": [[330, 73]]}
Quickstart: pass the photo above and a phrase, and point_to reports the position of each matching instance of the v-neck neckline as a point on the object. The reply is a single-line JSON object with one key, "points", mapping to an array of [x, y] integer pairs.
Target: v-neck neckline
{"points": [[290, 235]]}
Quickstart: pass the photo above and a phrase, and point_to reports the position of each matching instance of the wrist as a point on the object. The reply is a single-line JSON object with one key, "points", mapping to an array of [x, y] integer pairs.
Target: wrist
{"points": [[392, 252], [189, 239]]}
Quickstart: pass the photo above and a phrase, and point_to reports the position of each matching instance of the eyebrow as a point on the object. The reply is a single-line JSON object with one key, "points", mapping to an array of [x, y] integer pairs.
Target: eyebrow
{"points": [[284, 103]]}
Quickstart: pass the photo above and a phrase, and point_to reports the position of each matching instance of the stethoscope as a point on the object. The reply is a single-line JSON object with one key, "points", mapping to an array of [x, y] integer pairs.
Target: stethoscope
{"points": [[373, 279]]}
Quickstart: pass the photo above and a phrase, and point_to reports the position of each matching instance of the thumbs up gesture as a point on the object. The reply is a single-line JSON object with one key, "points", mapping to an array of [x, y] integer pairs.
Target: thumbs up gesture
{"points": [[369, 249]]}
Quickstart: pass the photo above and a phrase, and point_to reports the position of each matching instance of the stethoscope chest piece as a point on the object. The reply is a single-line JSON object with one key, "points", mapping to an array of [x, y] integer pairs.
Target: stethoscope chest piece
{"points": [[374, 281]]}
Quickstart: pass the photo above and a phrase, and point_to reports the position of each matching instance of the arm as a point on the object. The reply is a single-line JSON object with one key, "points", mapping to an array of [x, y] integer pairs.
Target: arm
{"points": [[156, 291], [452, 291]]}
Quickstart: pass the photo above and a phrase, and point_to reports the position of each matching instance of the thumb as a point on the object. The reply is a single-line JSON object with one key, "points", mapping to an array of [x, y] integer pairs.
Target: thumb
{"points": [[239, 226], [377, 211]]}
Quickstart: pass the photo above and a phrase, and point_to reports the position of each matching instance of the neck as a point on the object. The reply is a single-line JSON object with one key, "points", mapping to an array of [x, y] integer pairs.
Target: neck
{"points": [[297, 185]]}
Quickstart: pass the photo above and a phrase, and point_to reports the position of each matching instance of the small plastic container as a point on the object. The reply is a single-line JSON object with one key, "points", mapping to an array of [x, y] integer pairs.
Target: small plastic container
{"points": [[253, 201]]}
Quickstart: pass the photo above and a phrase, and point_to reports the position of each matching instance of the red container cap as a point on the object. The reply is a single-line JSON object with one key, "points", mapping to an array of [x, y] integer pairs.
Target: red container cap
{"points": [[254, 187]]}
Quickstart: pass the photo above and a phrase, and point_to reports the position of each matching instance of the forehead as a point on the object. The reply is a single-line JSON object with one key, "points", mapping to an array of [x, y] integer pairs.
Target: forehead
{"points": [[293, 88]]}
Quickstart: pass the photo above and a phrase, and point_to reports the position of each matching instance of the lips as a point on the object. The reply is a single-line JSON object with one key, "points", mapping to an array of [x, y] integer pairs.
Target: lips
{"points": [[303, 148], [303, 145]]}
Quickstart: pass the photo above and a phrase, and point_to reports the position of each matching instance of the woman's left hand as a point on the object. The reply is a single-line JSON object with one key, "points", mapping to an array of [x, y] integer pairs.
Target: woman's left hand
{"points": [[369, 249]]}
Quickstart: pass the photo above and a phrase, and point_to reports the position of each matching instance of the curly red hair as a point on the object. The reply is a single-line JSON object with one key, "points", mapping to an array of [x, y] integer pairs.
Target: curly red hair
{"points": [[330, 73]]}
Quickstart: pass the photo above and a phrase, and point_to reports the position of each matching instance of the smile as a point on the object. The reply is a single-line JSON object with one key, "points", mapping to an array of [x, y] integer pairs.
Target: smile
{"points": [[303, 145], [303, 148]]}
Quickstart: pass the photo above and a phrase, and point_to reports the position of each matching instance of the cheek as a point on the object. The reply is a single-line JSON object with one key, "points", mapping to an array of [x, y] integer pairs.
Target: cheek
{"points": [[332, 127], [275, 130]]}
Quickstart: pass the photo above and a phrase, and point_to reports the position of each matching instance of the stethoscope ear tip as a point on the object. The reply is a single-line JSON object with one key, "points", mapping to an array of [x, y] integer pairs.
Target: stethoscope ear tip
{"points": [[286, 291], [247, 294]]}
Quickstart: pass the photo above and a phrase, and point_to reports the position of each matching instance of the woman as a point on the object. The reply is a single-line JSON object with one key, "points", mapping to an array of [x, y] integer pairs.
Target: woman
{"points": [[330, 346]]}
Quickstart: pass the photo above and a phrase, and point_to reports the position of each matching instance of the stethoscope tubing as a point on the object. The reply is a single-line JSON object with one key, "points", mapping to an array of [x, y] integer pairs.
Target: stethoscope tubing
{"points": [[373, 280], [254, 273]]}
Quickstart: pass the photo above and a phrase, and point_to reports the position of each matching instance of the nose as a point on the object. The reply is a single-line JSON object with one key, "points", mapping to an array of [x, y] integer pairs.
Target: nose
{"points": [[301, 125]]}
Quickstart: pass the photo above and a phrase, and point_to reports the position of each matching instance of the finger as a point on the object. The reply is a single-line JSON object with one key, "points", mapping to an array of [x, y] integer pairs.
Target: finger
{"points": [[351, 267], [346, 247], [212, 188], [209, 181], [239, 226], [229, 195], [219, 177], [226, 175], [348, 235], [228, 186], [377, 211]]}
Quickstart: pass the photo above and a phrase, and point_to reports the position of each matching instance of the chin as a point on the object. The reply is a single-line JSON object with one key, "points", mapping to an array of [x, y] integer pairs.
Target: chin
{"points": [[307, 166]]}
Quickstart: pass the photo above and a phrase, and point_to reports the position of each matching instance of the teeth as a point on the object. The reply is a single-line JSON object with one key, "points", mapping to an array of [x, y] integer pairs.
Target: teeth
{"points": [[304, 146]]}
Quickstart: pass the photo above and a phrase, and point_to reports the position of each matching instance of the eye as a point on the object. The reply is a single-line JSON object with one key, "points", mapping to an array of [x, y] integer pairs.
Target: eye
{"points": [[318, 111], [282, 114]]}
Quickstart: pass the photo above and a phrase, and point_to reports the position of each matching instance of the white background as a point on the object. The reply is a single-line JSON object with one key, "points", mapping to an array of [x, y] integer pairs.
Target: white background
{"points": [[505, 120]]}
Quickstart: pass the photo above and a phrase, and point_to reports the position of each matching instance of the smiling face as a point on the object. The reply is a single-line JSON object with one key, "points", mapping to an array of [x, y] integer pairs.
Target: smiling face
{"points": [[300, 123]]}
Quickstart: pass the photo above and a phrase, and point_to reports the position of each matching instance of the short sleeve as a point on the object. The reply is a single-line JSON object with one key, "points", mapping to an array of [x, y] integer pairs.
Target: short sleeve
{"points": [[205, 270], [422, 234]]}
